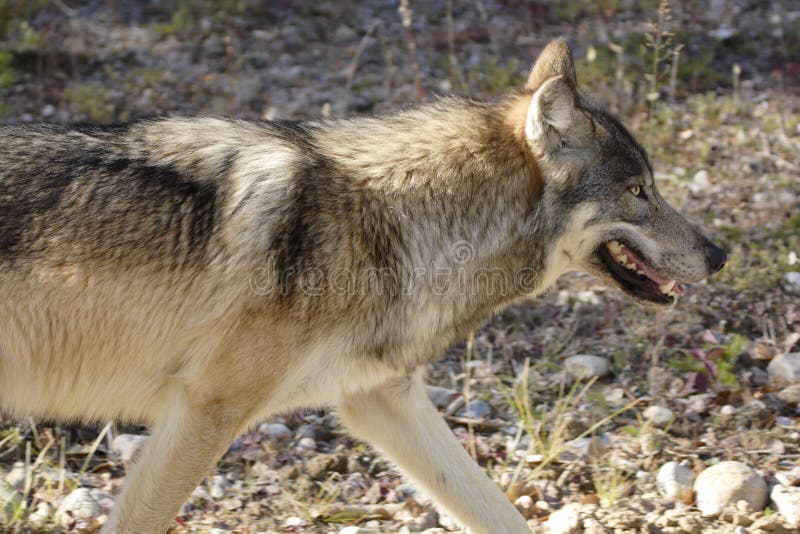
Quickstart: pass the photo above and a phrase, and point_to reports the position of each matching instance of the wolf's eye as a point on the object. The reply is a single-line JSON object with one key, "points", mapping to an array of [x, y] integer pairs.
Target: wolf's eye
{"points": [[637, 191]]}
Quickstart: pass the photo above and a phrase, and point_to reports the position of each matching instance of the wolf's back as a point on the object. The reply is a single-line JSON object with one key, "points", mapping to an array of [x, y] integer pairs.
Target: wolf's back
{"points": [[77, 194]]}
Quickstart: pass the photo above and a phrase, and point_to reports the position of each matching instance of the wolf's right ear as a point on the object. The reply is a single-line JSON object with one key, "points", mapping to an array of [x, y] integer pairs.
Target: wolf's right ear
{"points": [[555, 60], [551, 113]]}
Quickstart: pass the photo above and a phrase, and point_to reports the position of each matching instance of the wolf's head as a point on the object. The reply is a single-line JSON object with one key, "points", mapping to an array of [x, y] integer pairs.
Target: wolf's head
{"points": [[603, 207]]}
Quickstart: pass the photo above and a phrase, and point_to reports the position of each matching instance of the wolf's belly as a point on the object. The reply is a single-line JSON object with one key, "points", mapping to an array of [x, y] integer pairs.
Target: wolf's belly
{"points": [[88, 353]]}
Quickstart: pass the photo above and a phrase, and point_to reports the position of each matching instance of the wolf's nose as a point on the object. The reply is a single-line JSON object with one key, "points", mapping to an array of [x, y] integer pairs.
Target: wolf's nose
{"points": [[715, 257]]}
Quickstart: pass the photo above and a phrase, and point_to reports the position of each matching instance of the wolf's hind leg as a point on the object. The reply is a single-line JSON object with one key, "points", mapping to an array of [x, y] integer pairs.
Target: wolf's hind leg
{"points": [[183, 448], [400, 420]]}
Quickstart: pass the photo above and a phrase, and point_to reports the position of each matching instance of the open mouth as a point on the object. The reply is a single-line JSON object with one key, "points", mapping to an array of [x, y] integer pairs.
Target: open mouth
{"points": [[635, 277]]}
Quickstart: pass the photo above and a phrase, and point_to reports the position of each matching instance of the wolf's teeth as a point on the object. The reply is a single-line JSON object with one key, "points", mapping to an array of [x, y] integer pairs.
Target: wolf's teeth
{"points": [[673, 295], [615, 247], [622, 258], [667, 288], [631, 266], [640, 272]]}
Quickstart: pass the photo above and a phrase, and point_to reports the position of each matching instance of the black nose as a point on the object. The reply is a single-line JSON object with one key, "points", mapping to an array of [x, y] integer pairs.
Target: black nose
{"points": [[715, 257]]}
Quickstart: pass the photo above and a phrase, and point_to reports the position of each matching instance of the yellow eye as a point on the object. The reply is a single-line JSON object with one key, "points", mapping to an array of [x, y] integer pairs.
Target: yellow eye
{"points": [[635, 189]]}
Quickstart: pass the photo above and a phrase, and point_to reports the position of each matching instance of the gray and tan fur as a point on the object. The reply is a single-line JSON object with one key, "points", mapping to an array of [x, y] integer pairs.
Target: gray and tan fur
{"points": [[202, 274]]}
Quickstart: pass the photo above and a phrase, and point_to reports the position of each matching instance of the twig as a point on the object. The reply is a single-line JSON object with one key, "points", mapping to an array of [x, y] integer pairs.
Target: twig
{"points": [[353, 67], [619, 75], [68, 11], [94, 447], [467, 393], [485, 19], [451, 45], [405, 16], [673, 74], [388, 59]]}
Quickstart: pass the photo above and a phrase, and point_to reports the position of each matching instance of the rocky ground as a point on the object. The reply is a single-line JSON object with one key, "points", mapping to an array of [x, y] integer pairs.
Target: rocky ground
{"points": [[592, 414]]}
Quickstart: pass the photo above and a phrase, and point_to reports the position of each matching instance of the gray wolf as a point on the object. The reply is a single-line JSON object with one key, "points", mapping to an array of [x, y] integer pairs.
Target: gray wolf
{"points": [[200, 274]]}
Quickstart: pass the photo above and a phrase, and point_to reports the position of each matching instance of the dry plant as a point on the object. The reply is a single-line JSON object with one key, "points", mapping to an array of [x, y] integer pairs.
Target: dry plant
{"points": [[406, 17], [353, 67]]}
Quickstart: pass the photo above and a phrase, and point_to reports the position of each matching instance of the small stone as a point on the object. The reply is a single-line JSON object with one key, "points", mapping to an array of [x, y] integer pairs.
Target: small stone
{"points": [[128, 447], [344, 33], [477, 409], [294, 522], [567, 520], [766, 523], [727, 410], [105, 500], [307, 445], [320, 465], [217, 491], [15, 479], [787, 503], [586, 366], [10, 501], [275, 431], [784, 369], [659, 415], [455, 405], [441, 397], [690, 523], [587, 297], [352, 529], [77, 505], [543, 506], [790, 394], [674, 481], [41, 514], [448, 522], [728, 482], [699, 182], [783, 421], [525, 506], [426, 520], [791, 283], [699, 403], [789, 478]]}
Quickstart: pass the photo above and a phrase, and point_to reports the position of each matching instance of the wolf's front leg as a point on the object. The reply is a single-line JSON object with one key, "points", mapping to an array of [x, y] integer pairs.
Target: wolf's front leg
{"points": [[183, 448], [400, 420]]}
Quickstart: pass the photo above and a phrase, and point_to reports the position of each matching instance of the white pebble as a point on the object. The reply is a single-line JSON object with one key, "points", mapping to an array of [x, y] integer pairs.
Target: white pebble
{"points": [[729, 482], [352, 529], [275, 431], [787, 503], [784, 369], [307, 445], [15, 479], [586, 366], [659, 415], [674, 481], [77, 505], [567, 520]]}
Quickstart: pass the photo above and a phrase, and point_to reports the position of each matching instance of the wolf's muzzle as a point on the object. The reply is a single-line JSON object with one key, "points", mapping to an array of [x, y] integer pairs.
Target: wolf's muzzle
{"points": [[715, 256]]}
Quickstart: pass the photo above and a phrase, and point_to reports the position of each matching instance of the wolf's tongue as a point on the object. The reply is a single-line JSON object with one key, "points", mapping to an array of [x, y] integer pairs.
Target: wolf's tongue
{"points": [[648, 272]]}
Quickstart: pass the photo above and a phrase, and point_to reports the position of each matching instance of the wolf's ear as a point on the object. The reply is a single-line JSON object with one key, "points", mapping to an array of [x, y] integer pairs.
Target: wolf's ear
{"points": [[551, 112], [555, 60]]}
